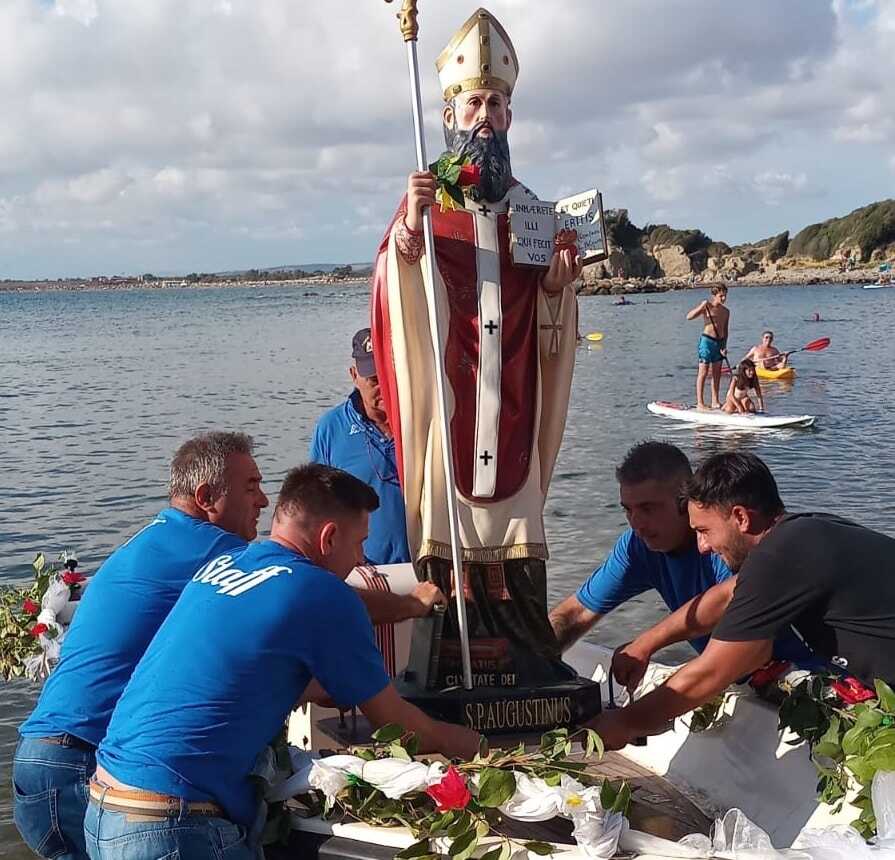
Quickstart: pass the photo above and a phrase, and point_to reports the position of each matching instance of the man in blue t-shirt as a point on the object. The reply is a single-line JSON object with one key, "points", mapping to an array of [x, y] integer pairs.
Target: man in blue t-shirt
{"points": [[659, 551], [215, 501], [355, 436], [234, 657]]}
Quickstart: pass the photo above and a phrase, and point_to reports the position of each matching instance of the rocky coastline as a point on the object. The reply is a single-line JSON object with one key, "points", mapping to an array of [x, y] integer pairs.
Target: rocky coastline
{"points": [[853, 249], [591, 285]]}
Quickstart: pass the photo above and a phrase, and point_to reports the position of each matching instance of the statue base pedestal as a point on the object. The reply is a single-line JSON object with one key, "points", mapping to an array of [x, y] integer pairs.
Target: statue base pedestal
{"points": [[516, 714], [509, 710]]}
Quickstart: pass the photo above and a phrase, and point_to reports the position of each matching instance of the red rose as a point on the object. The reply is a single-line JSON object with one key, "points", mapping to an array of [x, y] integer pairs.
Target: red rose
{"points": [[451, 792], [769, 673], [30, 606], [566, 240], [71, 577], [38, 629], [470, 174], [852, 691]]}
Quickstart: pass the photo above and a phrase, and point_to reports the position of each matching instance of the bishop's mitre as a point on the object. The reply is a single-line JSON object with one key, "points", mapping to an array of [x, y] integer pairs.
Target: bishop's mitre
{"points": [[480, 56]]}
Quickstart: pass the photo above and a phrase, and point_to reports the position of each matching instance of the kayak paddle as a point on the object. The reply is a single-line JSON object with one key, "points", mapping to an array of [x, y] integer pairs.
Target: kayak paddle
{"points": [[814, 346], [594, 336]]}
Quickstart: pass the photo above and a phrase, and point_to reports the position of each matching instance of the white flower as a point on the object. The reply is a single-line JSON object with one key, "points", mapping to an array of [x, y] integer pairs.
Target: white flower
{"points": [[330, 775], [55, 597], [577, 799], [436, 773], [395, 778], [533, 800], [597, 833]]}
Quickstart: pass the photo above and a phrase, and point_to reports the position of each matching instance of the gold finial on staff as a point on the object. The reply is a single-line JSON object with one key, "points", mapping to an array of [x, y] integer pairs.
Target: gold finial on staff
{"points": [[407, 19]]}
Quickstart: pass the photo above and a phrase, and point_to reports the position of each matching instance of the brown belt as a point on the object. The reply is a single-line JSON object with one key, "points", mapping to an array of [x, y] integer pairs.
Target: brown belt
{"points": [[149, 803], [68, 740]]}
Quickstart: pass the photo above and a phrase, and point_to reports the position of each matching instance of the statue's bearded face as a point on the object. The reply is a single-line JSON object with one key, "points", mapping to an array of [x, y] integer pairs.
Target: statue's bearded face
{"points": [[476, 123]]}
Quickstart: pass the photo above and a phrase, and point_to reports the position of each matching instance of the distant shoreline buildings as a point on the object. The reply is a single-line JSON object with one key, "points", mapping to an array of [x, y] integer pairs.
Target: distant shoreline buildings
{"points": [[250, 278]]}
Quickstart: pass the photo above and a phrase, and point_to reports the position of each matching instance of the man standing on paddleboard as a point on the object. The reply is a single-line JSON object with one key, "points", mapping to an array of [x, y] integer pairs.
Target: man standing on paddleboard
{"points": [[712, 347]]}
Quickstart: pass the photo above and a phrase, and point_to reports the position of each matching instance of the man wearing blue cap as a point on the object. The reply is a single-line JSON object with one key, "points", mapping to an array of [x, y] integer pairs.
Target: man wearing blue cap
{"points": [[355, 436]]}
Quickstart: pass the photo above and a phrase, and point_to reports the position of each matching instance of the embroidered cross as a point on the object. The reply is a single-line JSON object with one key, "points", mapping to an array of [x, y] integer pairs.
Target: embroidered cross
{"points": [[491, 327], [486, 457], [554, 326], [484, 210]]}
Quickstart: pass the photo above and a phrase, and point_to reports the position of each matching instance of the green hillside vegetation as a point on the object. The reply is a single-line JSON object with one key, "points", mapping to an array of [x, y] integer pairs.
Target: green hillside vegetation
{"points": [[621, 232], [868, 228], [663, 235], [771, 249], [718, 249]]}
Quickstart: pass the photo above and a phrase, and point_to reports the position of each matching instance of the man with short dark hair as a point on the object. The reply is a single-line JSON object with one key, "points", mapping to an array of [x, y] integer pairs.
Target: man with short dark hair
{"points": [[818, 572], [216, 499], [232, 659], [658, 551], [356, 437]]}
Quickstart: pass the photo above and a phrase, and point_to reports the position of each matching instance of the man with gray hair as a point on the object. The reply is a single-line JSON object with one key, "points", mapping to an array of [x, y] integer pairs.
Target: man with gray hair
{"points": [[215, 501]]}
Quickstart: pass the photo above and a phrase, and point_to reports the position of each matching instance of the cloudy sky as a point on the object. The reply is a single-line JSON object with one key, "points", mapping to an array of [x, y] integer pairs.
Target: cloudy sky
{"points": [[207, 135]]}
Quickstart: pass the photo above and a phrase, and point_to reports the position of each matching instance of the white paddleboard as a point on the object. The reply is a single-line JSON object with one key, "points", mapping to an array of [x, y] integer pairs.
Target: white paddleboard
{"points": [[878, 286], [719, 418]]}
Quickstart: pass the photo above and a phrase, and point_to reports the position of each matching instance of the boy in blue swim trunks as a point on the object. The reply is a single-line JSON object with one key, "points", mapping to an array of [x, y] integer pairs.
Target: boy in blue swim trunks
{"points": [[712, 346]]}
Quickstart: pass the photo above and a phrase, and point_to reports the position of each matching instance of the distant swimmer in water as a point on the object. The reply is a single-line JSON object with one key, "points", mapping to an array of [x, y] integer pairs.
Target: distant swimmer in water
{"points": [[623, 301]]}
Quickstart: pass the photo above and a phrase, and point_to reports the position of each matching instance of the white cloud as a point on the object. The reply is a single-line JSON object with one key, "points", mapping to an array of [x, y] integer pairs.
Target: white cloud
{"points": [[664, 185], [231, 133], [668, 144], [82, 11], [774, 187], [91, 189]]}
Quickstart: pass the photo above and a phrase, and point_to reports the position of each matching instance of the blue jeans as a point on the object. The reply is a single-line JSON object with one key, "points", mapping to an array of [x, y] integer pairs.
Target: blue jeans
{"points": [[49, 786], [122, 836]]}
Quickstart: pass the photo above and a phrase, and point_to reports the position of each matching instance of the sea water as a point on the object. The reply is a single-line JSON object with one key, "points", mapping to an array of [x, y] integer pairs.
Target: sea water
{"points": [[97, 389]]}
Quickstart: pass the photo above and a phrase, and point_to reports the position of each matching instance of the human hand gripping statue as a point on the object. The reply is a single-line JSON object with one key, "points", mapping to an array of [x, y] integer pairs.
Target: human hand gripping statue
{"points": [[508, 348]]}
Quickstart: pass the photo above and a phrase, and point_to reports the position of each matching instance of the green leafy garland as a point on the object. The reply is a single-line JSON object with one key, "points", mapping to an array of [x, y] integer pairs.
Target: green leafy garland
{"points": [[20, 605], [850, 731], [450, 810], [452, 174]]}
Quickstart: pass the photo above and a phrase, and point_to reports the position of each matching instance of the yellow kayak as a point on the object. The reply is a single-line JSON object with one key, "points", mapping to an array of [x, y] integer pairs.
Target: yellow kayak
{"points": [[775, 372]]}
